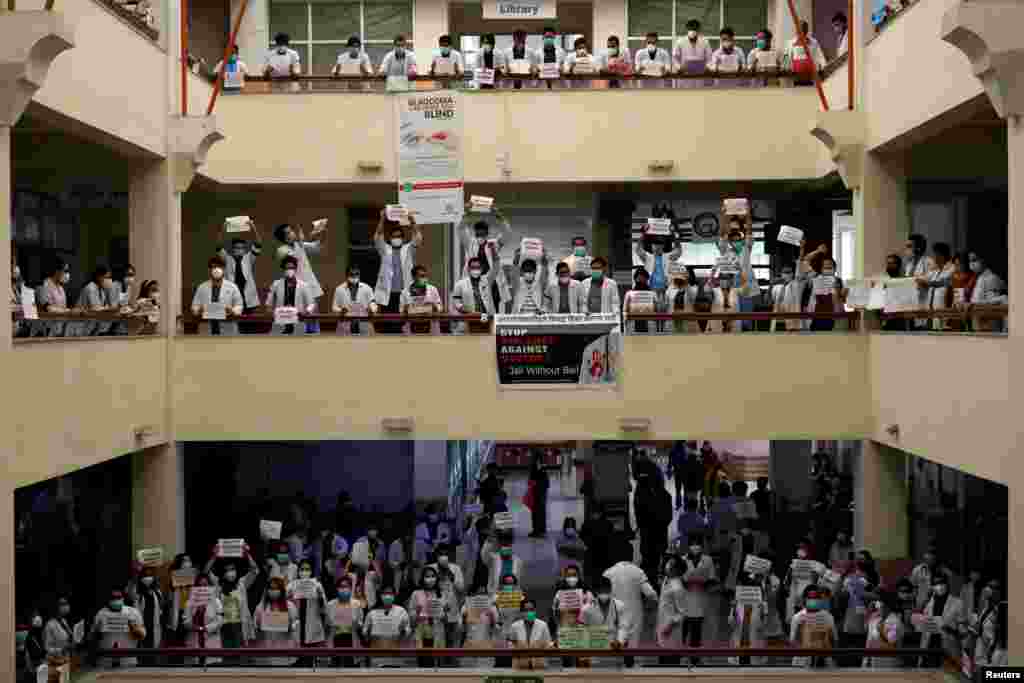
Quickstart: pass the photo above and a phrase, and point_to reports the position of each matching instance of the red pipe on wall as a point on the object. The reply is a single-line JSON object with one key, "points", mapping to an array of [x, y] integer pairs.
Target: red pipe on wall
{"points": [[227, 53], [803, 43]]}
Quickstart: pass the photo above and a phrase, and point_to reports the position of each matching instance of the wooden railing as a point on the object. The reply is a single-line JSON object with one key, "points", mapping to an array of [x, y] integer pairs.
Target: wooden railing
{"points": [[438, 323], [81, 324], [133, 17]]}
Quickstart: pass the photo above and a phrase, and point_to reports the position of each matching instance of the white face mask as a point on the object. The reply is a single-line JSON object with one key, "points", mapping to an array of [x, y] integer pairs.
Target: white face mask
{"points": [[570, 532], [727, 45], [305, 574], [571, 581], [940, 589], [147, 580], [692, 35], [529, 277], [429, 582], [787, 277], [396, 242], [442, 561], [186, 564], [289, 273], [696, 549], [65, 278], [475, 273], [353, 280], [802, 554], [217, 273], [230, 576]]}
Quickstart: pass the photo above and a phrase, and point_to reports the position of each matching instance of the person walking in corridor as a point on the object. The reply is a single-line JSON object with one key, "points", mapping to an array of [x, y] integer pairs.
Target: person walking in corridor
{"points": [[539, 483]]}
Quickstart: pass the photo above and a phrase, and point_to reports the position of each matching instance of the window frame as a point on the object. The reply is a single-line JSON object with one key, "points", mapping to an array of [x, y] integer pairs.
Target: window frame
{"points": [[310, 42], [713, 39]]}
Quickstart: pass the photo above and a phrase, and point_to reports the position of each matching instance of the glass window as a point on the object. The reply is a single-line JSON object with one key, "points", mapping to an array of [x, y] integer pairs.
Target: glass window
{"points": [[746, 17], [335, 20], [290, 18], [669, 18], [385, 20], [325, 57], [650, 15], [707, 12]]}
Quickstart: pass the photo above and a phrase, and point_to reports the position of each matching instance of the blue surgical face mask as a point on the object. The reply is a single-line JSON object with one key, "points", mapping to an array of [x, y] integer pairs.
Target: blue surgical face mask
{"points": [[388, 600], [446, 51], [345, 596]]}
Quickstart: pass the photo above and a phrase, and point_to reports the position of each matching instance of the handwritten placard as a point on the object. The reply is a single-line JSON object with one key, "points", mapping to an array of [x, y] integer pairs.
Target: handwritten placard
{"points": [[215, 310], [151, 557], [508, 599], [385, 626], [819, 619], [485, 76], [582, 264], [78, 632], [319, 224], [749, 595], [804, 568], [790, 235], [757, 565], [231, 547], [583, 65], [549, 70], [183, 578], [237, 224], [481, 204], [661, 227], [600, 638], [824, 284], [435, 608], [531, 249], [901, 295], [480, 602], [641, 302], [200, 596], [286, 315], [573, 638], [350, 68], [115, 623], [28, 305], [832, 578], [736, 207], [653, 70], [503, 521], [270, 530], [858, 293], [304, 589], [396, 213], [570, 600], [276, 621]]}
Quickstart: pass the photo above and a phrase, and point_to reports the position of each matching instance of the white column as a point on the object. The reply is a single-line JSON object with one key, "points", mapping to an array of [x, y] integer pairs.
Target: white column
{"points": [[158, 499], [429, 22], [880, 520], [609, 20], [882, 213], [6, 230]]}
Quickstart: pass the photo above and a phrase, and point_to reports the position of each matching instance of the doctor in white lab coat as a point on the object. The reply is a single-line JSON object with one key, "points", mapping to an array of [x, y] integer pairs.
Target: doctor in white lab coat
{"points": [[217, 290], [353, 297], [529, 632], [295, 244], [563, 294], [473, 294], [397, 258], [241, 267], [290, 291], [609, 300], [369, 554], [609, 612], [477, 242], [631, 587]]}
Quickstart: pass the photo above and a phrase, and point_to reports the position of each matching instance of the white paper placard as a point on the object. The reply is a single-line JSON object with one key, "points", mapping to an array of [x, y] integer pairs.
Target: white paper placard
{"points": [[858, 293], [804, 568], [640, 302], [385, 627], [769, 59], [270, 530], [396, 84], [790, 235], [479, 602], [151, 557], [549, 70], [736, 207], [520, 67], [503, 521], [351, 68], [831, 577], [319, 224], [756, 565], [583, 65], [115, 623], [286, 315], [659, 227], [570, 600], [582, 264], [824, 284], [435, 608], [183, 577], [748, 595], [726, 265], [237, 224], [396, 213], [200, 596], [215, 310], [231, 547], [676, 268], [876, 299], [276, 621], [78, 632], [481, 204], [304, 589], [28, 305], [531, 248], [443, 66], [901, 295], [122, 299], [485, 76], [653, 70], [819, 618]]}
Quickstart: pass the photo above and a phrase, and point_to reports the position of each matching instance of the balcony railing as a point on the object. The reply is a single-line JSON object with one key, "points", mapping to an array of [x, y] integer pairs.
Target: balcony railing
{"points": [[255, 85], [78, 324], [383, 323], [140, 14]]}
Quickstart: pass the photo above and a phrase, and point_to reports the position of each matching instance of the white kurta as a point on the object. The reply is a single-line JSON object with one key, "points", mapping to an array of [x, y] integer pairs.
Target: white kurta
{"points": [[631, 587], [120, 640]]}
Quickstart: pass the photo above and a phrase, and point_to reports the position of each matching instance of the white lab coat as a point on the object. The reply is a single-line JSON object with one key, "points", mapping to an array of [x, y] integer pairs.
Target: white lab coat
{"points": [[539, 637], [454, 56], [462, 296], [407, 255], [696, 598], [242, 592], [786, 299], [315, 617], [661, 58], [423, 544], [649, 260], [109, 641], [343, 300], [304, 301], [987, 288], [671, 611], [496, 272], [229, 296], [301, 251], [251, 294], [213, 621], [756, 631], [952, 616], [610, 302], [805, 639], [797, 584], [392, 66], [630, 586], [275, 639], [452, 591], [553, 297], [393, 621], [282, 61], [615, 618]]}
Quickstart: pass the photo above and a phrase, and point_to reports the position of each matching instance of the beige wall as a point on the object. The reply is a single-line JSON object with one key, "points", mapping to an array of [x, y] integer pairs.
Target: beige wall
{"points": [[78, 403], [836, 88], [963, 419], [717, 387], [911, 75], [556, 136], [114, 79]]}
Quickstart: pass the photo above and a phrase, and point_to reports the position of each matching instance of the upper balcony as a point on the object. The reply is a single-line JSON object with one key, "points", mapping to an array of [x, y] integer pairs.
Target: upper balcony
{"points": [[323, 130]]}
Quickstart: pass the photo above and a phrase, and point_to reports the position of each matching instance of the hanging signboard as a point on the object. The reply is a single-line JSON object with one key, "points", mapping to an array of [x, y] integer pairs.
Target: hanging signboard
{"points": [[430, 146], [558, 350], [520, 9]]}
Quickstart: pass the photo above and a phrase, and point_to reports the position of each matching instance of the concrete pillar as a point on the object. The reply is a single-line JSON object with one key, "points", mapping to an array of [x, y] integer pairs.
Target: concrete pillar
{"points": [[880, 522], [882, 213], [6, 231], [429, 22], [154, 214], [254, 33], [609, 20], [158, 499]]}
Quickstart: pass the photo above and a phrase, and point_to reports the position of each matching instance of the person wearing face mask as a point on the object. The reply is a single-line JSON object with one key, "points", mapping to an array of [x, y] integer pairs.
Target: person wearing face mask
{"points": [[368, 556], [529, 632], [345, 615], [749, 620], [353, 297], [489, 59], [453, 589], [671, 608], [571, 597], [610, 613], [813, 627], [786, 299], [280, 562], [277, 620], [481, 624], [240, 266], [529, 296], [478, 243], [59, 639], [823, 290], [420, 298], [294, 244], [943, 614], [501, 560], [563, 294], [96, 297], [428, 611], [148, 306], [234, 75], [655, 254], [579, 62], [990, 628], [682, 281], [431, 533], [839, 27], [177, 600], [804, 571], [400, 62], [923, 574], [551, 52], [238, 629], [570, 547], [989, 288], [578, 260], [764, 58], [884, 632], [631, 586], [736, 245], [698, 578], [353, 62], [728, 58], [51, 296], [145, 595], [803, 62], [117, 626], [310, 609], [290, 291], [396, 261], [653, 62], [915, 265], [203, 623], [599, 294], [692, 53], [521, 60], [218, 290], [745, 541], [385, 626], [936, 284], [473, 295], [446, 62], [281, 60], [614, 61]]}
